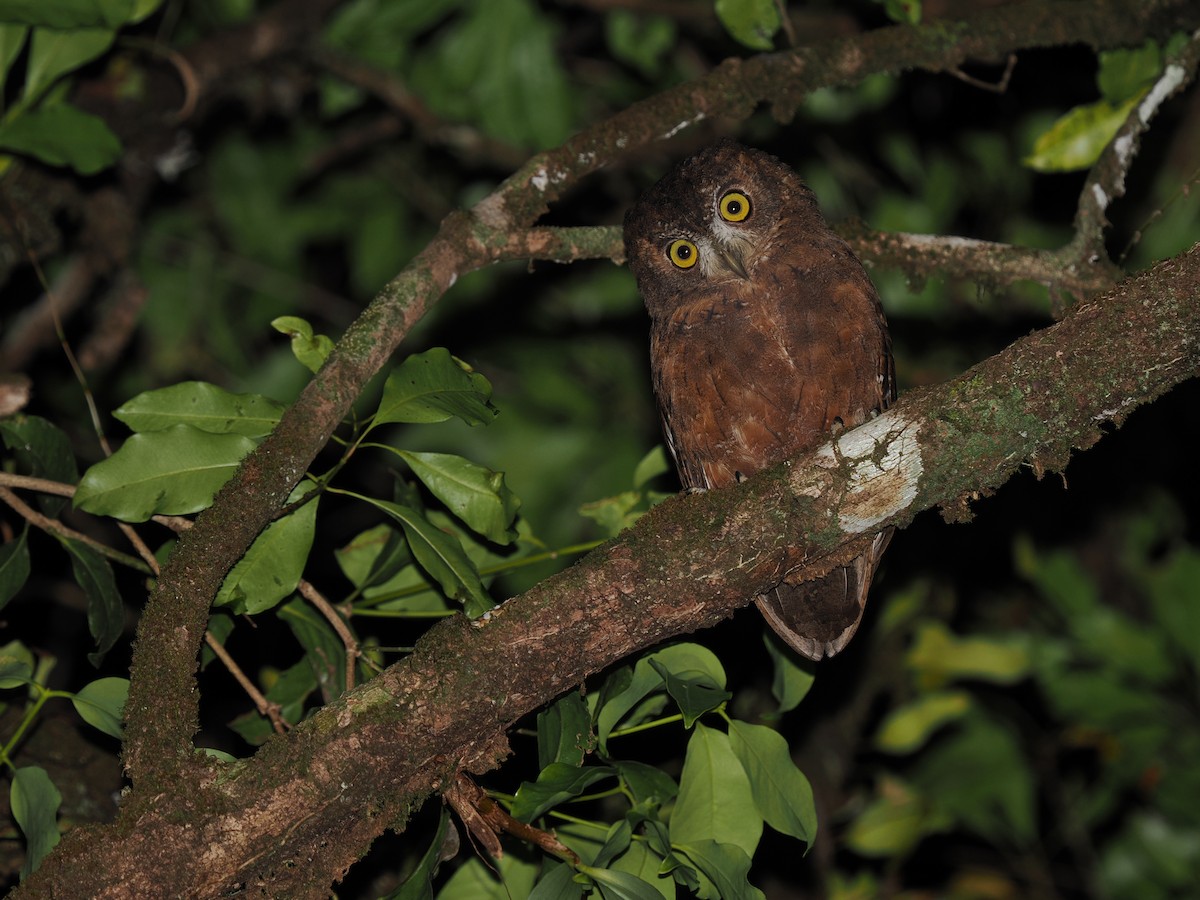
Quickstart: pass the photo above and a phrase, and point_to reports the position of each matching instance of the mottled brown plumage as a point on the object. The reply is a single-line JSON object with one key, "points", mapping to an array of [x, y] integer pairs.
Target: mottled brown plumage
{"points": [[766, 336]]}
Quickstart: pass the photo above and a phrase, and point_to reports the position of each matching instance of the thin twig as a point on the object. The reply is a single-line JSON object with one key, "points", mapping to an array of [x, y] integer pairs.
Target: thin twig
{"points": [[272, 711], [349, 641], [55, 527]]}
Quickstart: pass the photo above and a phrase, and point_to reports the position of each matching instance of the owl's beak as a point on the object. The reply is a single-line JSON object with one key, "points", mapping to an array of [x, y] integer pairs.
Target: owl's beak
{"points": [[730, 257]]}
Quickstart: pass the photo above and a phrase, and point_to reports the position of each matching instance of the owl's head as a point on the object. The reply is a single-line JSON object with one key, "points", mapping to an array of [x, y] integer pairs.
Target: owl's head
{"points": [[712, 219]]}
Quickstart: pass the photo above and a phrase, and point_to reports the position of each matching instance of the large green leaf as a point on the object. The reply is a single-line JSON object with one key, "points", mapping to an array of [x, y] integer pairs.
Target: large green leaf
{"points": [[101, 704], [53, 53], [12, 39], [715, 801], [1076, 140], [781, 792], [274, 563], [174, 472], [623, 706], [693, 691], [70, 14], [908, 727], [555, 783], [441, 556], [564, 731], [16, 665], [201, 405], [323, 649], [432, 387], [34, 801], [43, 450], [475, 494], [726, 867]]}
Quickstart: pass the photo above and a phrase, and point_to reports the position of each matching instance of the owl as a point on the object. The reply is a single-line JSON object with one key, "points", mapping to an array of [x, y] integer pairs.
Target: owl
{"points": [[767, 337]]}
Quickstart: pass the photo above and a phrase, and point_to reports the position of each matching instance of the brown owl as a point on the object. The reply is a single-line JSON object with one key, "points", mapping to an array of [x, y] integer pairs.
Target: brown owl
{"points": [[766, 337]]}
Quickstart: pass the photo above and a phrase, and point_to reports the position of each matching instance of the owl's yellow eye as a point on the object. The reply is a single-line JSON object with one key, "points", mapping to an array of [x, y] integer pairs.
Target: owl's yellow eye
{"points": [[683, 253], [734, 207]]}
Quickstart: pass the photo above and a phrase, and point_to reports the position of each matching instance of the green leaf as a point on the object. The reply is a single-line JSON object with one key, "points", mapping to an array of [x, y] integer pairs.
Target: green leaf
{"points": [[373, 556], [650, 466], [781, 792], [432, 387], [274, 563], [557, 883], [623, 706], [16, 665], [555, 783], [418, 885], [939, 656], [616, 842], [619, 885], [793, 676], [499, 65], [638, 860], [105, 613], [12, 39], [893, 823], [1000, 807], [752, 23], [204, 406], [564, 731], [1172, 588], [61, 135], [1126, 73], [908, 727], [441, 556], [1076, 140], [639, 40], [726, 866], [323, 649], [101, 704], [41, 450], [475, 881], [907, 12], [647, 784], [174, 472], [475, 494], [53, 53], [34, 801], [72, 13], [292, 687], [309, 348], [715, 801], [693, 692], [14, 566]]}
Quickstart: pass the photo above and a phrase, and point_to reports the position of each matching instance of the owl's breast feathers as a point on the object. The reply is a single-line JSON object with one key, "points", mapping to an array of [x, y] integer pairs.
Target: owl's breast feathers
{"points": [[766, 367]]}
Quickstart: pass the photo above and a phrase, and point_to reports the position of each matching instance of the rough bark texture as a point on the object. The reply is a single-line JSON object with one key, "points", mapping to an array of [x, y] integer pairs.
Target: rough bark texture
{"points": [[299, 813]]}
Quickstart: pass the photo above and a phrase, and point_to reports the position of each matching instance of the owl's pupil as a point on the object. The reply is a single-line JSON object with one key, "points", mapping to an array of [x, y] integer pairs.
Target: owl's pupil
{"points": [[733, 207], [684, 252]]}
